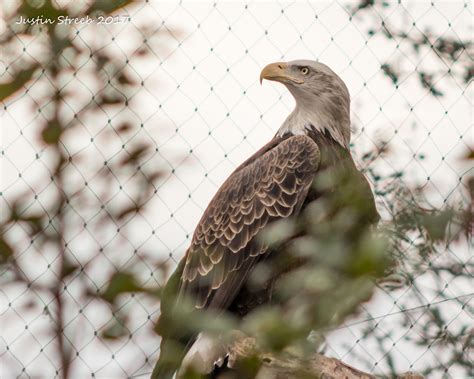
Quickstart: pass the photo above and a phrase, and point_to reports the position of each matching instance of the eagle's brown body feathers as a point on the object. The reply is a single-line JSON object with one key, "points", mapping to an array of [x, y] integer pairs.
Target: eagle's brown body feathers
{"points": [[270, 185], [275, 183]]}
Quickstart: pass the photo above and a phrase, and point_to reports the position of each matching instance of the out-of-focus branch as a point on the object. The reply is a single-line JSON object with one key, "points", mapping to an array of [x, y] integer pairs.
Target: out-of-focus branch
{"points": [[289, 365]]}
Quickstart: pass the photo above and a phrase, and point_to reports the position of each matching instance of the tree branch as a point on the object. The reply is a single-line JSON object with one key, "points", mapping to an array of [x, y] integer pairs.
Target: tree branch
{"points": [[288, 365]]}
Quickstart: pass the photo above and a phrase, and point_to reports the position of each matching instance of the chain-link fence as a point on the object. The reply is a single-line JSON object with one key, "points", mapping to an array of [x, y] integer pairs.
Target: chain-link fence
{"points": [[199, 104]]}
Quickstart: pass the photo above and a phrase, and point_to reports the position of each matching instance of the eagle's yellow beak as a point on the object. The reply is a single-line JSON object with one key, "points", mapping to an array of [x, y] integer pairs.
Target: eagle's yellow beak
{"points": [[278, 72]]}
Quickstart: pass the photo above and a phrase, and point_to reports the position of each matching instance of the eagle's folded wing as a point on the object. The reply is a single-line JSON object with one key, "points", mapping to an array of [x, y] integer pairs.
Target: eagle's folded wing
{"points": [[224, 247]]}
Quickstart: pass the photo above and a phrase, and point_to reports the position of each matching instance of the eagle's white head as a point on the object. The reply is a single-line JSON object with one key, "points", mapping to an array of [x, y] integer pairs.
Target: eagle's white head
{"points": [[322, 98]]}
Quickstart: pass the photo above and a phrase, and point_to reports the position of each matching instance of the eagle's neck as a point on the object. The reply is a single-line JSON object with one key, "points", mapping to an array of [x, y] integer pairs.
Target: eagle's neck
{"points": [[300, 121]]}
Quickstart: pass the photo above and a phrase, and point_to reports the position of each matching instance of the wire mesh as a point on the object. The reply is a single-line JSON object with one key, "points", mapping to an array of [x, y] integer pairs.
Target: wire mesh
{"points": [[200, 105]]}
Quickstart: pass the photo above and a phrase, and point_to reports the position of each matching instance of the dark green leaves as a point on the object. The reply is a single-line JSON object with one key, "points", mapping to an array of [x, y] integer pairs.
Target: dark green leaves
{"points": [[116, 329], [107, 6], [389, 71], [35, 8], [52, 132], [273, 330], [6, 251], [120, 283], [436, 223], [18, 82]]}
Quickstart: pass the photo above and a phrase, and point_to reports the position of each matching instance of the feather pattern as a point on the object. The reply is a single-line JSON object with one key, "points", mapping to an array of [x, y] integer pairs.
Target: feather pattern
{"points": [[270, 185]]}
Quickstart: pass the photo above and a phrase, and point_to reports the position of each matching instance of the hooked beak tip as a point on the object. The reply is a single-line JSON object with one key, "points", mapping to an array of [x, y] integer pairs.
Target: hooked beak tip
{"points": [[275, 71]]}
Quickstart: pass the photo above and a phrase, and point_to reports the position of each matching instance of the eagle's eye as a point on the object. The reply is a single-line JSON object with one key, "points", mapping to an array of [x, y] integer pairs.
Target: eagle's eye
{"points": [[304, 70]]}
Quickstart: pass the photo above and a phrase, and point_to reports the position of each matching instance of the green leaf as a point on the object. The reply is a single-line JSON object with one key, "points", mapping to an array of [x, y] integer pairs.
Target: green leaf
{"points": [[274, 331], [436, 223], [44, 9], [135, 208], [21, 78], [116, 330], [34, 221], [6, 251], [107, 6], [390, 72], [135, 154], [121, 282], [69, 268], [469, 155], [52, 133], [111, 99]]}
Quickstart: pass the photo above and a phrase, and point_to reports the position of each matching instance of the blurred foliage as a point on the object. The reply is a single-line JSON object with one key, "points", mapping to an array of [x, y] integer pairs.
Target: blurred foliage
{"points": [[47, 228], [453, 54], [340, 262], [420, 235]]}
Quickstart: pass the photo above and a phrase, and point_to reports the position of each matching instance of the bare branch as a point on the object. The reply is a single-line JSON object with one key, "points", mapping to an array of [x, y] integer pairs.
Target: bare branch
{"points": [[290, 365]]}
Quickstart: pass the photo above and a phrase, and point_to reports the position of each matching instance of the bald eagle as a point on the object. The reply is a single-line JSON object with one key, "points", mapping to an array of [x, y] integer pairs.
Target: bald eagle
{"points": [[275, 183]]}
